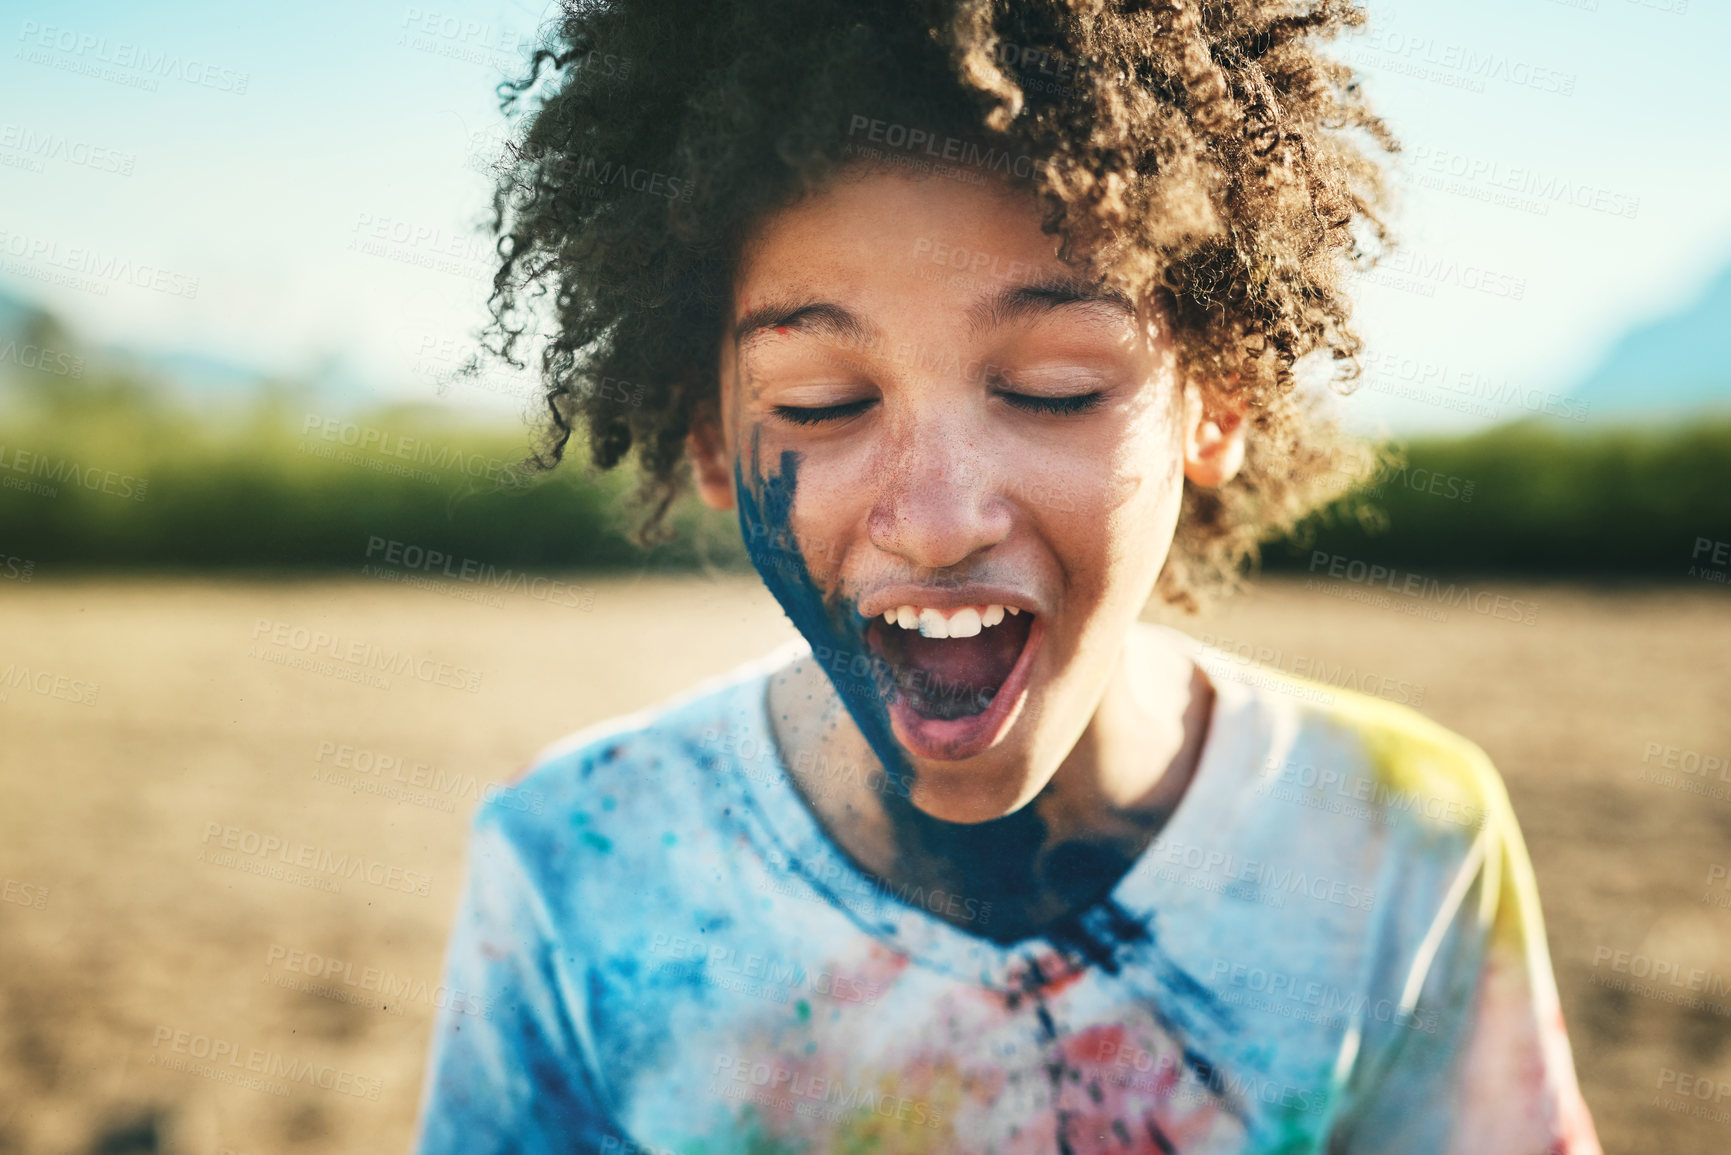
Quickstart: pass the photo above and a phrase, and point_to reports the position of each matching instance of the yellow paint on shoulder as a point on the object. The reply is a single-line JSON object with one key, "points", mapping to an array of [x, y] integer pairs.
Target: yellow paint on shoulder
{"points": [[1428, 769]]}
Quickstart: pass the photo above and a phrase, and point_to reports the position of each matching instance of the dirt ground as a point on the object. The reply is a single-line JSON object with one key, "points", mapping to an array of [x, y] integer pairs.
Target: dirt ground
{"points": [[184, 725]]}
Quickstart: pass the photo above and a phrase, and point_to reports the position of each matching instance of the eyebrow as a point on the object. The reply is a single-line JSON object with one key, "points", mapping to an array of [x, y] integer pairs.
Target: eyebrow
{"points": [[1030, 301], [1014, 303], [819, 318]]}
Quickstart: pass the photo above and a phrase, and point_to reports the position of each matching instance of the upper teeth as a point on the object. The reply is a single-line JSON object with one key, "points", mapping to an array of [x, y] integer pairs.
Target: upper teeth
{"points": [[961, 623]]}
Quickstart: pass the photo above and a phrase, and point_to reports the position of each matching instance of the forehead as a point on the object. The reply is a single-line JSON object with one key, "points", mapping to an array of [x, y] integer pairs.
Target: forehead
{"points": [[866, 227]]}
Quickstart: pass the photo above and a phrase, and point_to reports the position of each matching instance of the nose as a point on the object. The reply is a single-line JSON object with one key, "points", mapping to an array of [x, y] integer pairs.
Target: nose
{"points": [[936, 504]]}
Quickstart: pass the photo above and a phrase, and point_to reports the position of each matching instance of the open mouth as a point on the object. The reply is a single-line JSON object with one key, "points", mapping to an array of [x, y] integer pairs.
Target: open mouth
{"points": [[960, 674], [950, 664]]}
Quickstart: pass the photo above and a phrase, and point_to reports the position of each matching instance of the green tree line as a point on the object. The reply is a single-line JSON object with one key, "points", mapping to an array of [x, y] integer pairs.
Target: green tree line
{"points": [[105, 473]]}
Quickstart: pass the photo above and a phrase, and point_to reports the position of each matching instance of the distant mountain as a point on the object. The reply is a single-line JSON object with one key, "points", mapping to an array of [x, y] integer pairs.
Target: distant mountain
{"points": [[190, 372], [1679, 363], [189, 375], [14, 312]]}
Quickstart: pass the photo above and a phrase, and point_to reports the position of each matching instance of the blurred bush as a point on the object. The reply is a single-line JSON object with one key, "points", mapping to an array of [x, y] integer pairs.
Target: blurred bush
{"points": [[107, 471], [114, 475], [1537, 499]]}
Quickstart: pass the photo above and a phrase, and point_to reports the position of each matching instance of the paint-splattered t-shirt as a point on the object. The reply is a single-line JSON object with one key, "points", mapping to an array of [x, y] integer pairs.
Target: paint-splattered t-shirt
{"points": [[1334, 945]]}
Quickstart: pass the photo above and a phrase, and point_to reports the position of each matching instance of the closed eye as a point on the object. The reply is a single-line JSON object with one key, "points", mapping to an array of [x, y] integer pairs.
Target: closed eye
{"points": [[1059, 406], [797, 415]]}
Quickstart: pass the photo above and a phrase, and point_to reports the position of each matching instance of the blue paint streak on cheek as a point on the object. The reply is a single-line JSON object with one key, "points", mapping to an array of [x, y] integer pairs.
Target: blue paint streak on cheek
{"points": [[836, 631]]}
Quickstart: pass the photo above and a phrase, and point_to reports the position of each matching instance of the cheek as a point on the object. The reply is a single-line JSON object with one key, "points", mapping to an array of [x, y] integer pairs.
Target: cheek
{"points": [[773, 484], [831, 510], [1128, 497], [1117, 467], [796, 521]]}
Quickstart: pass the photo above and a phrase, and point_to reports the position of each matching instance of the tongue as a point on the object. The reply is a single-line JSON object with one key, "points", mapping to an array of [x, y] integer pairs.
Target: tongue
{"points": [[953, 677]]}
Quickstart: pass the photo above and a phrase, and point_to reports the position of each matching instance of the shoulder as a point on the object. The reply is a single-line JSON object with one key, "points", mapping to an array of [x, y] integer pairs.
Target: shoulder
{"points": [[1352, 752], [627, 787], [1440, 776]]}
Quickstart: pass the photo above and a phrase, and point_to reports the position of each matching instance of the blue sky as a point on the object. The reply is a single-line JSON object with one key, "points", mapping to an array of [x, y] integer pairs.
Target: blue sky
{"points": [[296, 185]]}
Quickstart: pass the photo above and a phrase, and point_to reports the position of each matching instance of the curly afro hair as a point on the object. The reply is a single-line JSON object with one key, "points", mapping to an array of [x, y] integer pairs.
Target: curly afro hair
{"points": [[1205, 156]]}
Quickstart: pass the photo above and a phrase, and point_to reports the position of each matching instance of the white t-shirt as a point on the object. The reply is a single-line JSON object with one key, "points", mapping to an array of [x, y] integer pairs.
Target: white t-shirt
{"points": [[1334, 945]]}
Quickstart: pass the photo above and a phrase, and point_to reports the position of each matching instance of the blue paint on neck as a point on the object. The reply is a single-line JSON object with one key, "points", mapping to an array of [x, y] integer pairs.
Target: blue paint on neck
{"points": [[835, 630]]}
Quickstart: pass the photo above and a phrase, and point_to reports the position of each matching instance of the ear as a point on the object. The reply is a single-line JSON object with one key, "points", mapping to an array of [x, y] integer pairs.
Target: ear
{"points": [[1214, 431], [711, 464]]}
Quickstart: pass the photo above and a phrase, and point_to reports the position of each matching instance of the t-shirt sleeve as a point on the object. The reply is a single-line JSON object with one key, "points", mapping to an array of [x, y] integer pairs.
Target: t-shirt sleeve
{"points": [[511, 1068], [1478, 1063]]}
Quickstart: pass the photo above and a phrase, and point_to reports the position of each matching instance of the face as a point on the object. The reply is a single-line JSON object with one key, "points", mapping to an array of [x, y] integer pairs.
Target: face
{"points": [[957, 465]]}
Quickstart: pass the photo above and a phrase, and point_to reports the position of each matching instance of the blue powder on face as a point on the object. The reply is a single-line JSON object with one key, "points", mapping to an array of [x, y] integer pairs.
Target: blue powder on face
{"points": [[835, 630]]}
